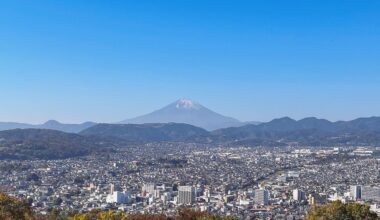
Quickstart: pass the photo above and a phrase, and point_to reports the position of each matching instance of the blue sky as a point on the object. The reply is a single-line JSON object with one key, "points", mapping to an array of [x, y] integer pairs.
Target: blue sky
{"points": [[107, 61]]}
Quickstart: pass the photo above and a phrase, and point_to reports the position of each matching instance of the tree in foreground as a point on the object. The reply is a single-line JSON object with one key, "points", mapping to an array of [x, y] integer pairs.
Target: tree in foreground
{"points": [[183, 214], [12, 208], [337, 211]]}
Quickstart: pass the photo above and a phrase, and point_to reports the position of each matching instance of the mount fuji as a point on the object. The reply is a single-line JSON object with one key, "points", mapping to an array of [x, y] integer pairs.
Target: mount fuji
{"points": [[189, 112]]}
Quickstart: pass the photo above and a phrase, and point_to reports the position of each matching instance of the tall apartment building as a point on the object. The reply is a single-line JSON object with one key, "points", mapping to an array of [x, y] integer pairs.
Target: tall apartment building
{"points": [[356, 192], [261, 197], [149, 188], [112, 188], [186, 195], [298, 195]]}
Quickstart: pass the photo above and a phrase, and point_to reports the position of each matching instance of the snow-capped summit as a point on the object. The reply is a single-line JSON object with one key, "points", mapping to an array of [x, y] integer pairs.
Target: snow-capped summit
{"points": [[189, 112], [187, 104]]}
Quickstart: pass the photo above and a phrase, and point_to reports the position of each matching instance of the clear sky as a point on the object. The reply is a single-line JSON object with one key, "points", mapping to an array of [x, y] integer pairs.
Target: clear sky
{"points": [[106, 61]]}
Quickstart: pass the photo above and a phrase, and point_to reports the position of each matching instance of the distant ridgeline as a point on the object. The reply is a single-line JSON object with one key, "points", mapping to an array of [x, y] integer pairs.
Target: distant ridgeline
{"points": [[35, 143], [278, 132]]}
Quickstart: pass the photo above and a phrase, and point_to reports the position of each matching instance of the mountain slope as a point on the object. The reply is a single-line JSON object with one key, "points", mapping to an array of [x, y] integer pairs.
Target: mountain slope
{"points": [[146, 132], [51, 124], [70, 128], [278, 132], [51, 144], [44, 144], [13, 125], [188, 112]]}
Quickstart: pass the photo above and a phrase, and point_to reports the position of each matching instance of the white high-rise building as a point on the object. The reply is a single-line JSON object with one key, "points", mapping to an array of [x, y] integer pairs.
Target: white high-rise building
{"points": [[261, 197], [298, 195], [112, 188], [206, 193], [186, 195], [149, 188], [117, 197], [356, 192]]}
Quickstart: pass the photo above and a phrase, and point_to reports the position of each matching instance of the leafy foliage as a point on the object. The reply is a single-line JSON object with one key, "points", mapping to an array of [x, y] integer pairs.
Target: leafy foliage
{"points": [[183, 214], [337, 210], [11, 208]]}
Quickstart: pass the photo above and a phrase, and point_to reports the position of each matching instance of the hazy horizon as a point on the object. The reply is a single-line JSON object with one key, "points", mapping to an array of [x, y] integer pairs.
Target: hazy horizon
{"points": [[118, 121], [254, 61]]}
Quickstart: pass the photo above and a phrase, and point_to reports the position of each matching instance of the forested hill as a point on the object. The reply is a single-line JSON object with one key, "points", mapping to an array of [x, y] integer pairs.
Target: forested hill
{"points": [[44, 144]]}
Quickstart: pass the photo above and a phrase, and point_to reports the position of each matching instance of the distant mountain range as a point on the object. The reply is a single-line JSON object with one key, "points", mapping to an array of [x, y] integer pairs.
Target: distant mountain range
{"points": [[309, 131], [51, 124], [50, 144], [182, 111], [181, 121], [188, 112], [283, 131]]}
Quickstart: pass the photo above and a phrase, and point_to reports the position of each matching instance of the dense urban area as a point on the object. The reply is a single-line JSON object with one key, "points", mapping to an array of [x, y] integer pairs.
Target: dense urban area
{"points": [[244, 182]]}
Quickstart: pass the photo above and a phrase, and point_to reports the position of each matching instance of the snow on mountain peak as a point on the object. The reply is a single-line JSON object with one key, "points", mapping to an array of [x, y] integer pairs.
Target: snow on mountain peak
{"points": [[188, 112], [187, 104]]}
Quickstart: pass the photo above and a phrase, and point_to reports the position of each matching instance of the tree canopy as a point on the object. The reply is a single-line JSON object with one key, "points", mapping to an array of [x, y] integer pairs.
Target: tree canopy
{"points": [[337, 210], [12, 208], [183, 214]]}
